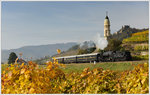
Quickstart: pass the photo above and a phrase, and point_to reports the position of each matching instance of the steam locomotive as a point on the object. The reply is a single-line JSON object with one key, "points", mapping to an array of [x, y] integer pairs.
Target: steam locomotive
{"points": [[109, 56]]}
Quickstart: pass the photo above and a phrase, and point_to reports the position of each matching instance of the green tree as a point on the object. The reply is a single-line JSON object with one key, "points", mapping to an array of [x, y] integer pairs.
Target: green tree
{"points": [[12, 58], [82, 51], [113, 45], [86, 51]]}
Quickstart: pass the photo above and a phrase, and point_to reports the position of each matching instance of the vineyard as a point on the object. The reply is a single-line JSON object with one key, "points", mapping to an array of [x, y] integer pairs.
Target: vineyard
{"points": [[141, 48], [30, 79], [138, 37]]}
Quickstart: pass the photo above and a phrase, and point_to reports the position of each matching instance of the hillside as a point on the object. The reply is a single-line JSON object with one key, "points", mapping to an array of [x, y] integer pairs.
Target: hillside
{"points": [[140, 37], [138, 44], [125, 32], [71, 51], [76, 49], [37, 51]]}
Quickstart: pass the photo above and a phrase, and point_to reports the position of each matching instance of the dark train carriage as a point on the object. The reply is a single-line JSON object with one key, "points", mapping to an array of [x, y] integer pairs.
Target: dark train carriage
{"points": [[78, 58], [70, 59], [87, 58], [67, 59]]}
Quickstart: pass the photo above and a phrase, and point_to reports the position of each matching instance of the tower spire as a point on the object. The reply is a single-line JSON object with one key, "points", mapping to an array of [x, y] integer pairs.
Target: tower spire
{"points": [[107, 33]]}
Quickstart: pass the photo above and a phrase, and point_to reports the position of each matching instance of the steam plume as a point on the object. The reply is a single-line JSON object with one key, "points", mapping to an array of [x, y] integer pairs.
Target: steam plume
{"points": [[100, 41], [87, 44]]}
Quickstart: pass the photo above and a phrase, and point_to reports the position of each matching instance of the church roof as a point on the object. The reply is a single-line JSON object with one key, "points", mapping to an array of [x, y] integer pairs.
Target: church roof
{"points": [[106, 17]]}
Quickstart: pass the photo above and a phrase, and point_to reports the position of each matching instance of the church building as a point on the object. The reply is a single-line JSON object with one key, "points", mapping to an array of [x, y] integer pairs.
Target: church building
{"points": [[107, 33]]}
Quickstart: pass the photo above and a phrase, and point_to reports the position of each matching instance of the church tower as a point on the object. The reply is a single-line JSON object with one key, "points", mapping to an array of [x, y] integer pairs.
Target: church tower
{"points": [[106, 27]]}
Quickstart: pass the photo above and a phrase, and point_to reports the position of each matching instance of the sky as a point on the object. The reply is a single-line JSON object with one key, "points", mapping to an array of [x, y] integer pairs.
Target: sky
{"points": [[39, 23]]}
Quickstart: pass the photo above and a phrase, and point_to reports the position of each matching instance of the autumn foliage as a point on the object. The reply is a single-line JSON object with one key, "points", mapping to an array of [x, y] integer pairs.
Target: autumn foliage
{"points": [[138, 37], [29, 79]]}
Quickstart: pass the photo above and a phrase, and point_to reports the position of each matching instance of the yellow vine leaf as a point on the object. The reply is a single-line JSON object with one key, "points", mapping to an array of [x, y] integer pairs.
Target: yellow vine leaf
{"points": [[22, 71], [31, 90], [58, 51]]}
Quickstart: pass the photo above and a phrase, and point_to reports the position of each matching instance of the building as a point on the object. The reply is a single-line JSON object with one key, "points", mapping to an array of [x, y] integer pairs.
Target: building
{"points": [[107, 33]]}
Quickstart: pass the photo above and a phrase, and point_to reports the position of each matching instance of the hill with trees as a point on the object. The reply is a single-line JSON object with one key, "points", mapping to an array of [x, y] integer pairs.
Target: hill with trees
{"points": [[138, 44]]}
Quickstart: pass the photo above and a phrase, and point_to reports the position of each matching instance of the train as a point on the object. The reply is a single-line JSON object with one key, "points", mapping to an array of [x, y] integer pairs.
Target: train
{"points": [[108, 56]]}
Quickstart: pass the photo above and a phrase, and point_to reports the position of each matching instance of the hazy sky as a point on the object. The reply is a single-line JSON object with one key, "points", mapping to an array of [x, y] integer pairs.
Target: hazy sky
{"points": [[38, 23]]}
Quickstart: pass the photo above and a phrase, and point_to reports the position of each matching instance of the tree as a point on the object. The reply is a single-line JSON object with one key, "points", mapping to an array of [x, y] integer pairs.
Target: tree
{"points": [[113, 45], [82, 51], [12, 58], [100, 50], [86, 51]]}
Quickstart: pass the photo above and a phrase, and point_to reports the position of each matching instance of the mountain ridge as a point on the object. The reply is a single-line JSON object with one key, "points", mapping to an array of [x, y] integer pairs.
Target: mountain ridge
{"points": [[37, 51]]}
